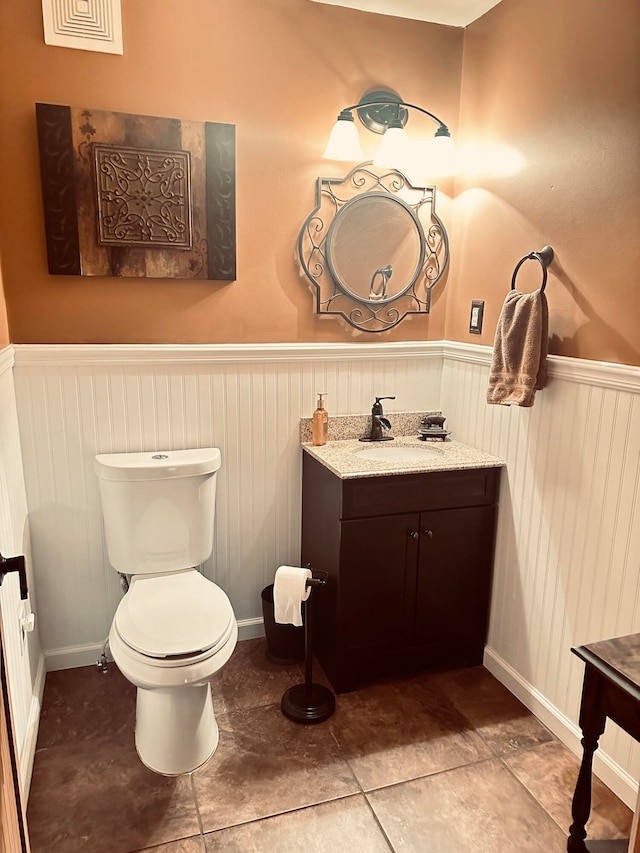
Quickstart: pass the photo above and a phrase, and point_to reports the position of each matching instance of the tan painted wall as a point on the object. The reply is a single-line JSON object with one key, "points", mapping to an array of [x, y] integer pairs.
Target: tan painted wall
{"points": [[279, 70], [4, 323], [560, 82]]}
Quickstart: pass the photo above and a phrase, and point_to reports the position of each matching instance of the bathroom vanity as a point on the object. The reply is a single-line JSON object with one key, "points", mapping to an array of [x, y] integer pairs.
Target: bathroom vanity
{"points": [[407, 542]]}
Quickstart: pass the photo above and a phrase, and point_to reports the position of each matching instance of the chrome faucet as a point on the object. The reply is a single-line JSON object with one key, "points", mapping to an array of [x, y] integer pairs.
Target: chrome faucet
{"points": [[379, 422]]}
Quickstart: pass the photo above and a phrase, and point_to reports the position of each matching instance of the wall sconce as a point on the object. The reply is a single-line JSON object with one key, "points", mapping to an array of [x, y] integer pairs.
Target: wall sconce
{"points": [[383, 111]]}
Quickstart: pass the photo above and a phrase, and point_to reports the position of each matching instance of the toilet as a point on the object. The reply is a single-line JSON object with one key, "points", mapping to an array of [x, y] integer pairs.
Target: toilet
{"points": [[174, 628]]}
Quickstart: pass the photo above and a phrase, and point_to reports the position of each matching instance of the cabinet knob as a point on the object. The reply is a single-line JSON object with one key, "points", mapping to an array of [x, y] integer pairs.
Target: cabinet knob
{"points": [[428, 533], [414, 534]]}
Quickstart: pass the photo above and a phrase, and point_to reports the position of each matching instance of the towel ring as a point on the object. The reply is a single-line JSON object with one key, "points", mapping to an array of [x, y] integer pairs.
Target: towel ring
{"points": [[544, 258]]}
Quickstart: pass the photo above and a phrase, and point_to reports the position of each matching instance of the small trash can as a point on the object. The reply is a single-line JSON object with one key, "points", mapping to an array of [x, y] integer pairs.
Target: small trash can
{"points": [[285, 643]]}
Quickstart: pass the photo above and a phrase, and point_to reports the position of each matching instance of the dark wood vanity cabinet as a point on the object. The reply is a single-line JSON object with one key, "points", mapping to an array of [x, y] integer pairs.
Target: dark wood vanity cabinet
{"points": [[409, 560]]}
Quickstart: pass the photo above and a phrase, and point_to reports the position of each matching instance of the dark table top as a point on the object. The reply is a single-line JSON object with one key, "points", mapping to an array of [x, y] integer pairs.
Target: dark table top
{"points": [[618, 659]]}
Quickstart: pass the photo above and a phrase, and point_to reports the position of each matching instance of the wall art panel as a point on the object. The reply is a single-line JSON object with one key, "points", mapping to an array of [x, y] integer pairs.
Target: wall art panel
{"points": [[132, 195]]}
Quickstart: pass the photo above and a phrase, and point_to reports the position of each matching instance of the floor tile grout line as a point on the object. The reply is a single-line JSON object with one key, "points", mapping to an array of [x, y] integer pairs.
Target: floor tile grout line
{"points": [[197, 805], [366, 791], [428, 775], [432, 776], [520, 748], [379, 824], [147, 849], [564, 829], [541, 746], [346, 760], [499, 758], [478, 730], [361, 790], [284, 812], [467, 728]]}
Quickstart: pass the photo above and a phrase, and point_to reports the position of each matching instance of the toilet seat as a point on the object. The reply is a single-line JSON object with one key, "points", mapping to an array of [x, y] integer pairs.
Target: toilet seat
{"points": [[157, 673], [175, 618]]}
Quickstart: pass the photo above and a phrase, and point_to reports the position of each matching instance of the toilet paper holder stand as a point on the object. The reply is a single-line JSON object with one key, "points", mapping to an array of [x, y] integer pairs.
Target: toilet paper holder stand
{"points": [[308, 702]]}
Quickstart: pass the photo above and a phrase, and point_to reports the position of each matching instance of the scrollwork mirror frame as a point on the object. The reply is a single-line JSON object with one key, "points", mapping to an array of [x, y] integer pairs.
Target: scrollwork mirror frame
{"points": [[379, 312]]}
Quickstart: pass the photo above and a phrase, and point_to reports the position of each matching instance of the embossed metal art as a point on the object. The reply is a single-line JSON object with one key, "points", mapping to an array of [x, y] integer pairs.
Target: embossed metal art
{"points": [[373, 248], [144, 196], [132, 195]]}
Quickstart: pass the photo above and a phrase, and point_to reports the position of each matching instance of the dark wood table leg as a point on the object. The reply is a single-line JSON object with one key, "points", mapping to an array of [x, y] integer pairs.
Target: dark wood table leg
{"points": [[581, 805], [592, 723]]}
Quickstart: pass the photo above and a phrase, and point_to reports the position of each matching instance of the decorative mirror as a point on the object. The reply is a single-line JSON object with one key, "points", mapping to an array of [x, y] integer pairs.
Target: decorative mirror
{"points": [[373, 248]]}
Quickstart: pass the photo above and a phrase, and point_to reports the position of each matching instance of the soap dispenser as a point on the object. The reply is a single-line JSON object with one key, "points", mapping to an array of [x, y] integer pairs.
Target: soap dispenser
{"points": [[320, 422]]}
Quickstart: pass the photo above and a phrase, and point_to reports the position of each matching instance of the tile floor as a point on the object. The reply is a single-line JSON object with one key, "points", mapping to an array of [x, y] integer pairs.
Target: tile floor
{"points": [[438, 763]]}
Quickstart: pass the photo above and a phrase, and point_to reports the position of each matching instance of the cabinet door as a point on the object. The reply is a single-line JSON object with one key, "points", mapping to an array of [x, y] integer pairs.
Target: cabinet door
{"points": [[378, 558], [454, 575]]}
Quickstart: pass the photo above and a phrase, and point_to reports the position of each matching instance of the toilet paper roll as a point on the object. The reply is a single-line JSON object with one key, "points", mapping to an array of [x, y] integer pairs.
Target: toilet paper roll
{"points": [[289, 591]]}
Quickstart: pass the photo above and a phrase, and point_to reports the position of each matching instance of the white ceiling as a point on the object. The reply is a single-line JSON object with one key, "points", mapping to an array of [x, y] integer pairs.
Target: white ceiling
{"points": [[454, 13]]}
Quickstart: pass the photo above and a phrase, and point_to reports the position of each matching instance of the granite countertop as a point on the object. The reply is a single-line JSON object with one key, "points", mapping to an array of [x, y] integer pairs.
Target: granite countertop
{"points": [[341, 457]]}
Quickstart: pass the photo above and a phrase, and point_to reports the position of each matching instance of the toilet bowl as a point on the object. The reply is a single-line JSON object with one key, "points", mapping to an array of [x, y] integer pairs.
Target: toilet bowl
{"points": [[170, 634], [174, 628]]}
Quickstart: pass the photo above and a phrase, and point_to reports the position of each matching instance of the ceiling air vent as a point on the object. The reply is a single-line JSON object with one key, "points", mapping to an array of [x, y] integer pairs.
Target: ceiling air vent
{"points": [[83, 24]]}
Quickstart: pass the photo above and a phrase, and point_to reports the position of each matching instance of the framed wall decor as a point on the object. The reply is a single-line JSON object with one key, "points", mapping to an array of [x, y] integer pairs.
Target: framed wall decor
{"points": [[134, 195], [373, 247]]}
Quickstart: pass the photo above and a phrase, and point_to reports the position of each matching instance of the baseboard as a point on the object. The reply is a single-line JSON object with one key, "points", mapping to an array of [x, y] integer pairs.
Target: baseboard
{"points": [[249, 629], [28, 753], [605, 768], [72, 657]]}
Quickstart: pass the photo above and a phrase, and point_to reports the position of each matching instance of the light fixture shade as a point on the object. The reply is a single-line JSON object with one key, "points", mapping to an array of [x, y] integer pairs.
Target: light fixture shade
{"points": [[394, 151], [444, 155], [344, 143], [436, 158]]}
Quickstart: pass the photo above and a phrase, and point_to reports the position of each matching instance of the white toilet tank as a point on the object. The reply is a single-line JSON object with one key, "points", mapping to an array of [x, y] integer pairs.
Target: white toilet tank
{"points": [[158, 508]]}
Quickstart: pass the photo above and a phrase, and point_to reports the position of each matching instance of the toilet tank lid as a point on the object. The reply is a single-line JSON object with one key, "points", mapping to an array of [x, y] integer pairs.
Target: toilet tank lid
{"points": [[157, 464]]}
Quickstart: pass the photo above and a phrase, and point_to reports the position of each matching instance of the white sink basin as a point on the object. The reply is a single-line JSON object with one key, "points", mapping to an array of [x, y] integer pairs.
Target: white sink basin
{"points": [[395, 453]]}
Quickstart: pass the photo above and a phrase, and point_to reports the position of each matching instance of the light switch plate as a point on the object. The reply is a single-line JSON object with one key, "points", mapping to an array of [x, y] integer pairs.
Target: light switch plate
{"points": [[477, 313]]}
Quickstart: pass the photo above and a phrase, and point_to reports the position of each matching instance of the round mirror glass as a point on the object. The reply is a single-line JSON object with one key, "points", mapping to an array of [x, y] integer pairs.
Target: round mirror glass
{"points": [[375, 248]]}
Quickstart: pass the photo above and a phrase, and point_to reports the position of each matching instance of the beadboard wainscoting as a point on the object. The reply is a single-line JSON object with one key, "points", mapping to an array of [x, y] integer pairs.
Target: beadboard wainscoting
{"points": [[76, 401], [567, 567], [568, 547], [23, 655]]}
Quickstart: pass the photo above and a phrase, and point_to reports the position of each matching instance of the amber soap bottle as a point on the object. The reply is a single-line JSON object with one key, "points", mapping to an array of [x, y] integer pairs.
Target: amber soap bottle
{"points": [[320, 422]]}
